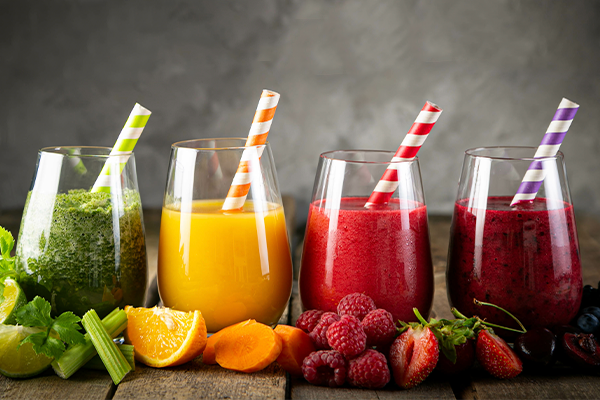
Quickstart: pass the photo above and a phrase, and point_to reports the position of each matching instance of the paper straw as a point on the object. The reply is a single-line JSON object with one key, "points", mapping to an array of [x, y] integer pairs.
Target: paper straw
{"points": [[409, 148], [124, 146], [257, 136], [76, 162], [532, 181]]}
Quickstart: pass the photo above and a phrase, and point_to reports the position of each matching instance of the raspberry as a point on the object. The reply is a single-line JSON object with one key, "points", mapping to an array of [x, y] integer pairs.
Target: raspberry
{"points": [[308, 320], [319, 334], [356, 304], [325, 368], [369, 370], [379, 327], [347, 336]]}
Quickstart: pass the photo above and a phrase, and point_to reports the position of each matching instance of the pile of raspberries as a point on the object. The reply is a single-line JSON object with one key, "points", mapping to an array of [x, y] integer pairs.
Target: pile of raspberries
{"points": [[345, 342]]}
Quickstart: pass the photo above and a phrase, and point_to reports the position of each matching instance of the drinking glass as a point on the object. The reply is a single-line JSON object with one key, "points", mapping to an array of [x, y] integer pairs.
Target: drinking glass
{"points": [[523, 258], [230, 265], [382, 251], [82, 250]]}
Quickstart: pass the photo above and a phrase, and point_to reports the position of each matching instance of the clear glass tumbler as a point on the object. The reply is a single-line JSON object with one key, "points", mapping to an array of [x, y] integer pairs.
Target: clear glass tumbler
{"points": [[382, 251], [82, 250], [523, 258], [230, 265]]}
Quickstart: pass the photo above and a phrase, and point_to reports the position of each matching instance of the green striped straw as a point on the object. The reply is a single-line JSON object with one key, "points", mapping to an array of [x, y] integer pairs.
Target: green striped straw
{"points": [[124, 146]]}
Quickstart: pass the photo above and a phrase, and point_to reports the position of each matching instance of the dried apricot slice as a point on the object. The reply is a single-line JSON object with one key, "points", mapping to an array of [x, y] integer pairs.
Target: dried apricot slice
{"points": [[248, 348]]}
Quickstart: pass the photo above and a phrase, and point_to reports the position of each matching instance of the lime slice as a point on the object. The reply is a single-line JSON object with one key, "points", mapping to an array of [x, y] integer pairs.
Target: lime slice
{"points": [[21, 363], [14, 298]]}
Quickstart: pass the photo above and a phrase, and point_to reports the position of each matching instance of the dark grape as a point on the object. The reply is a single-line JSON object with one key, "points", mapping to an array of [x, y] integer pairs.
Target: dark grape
{"points": [[590, 297], [536, 347], [588, 323]]}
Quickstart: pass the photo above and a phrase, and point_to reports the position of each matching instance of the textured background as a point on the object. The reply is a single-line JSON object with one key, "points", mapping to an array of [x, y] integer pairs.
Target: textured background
{"points": [[353, 74]]}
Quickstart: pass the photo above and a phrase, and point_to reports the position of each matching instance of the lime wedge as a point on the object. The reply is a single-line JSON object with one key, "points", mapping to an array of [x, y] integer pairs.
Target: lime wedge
{"points": [[14, 298], [21, 363]]}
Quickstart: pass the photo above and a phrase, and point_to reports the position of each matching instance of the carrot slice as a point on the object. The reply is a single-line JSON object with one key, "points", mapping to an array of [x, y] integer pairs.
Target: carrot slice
{"points": [[296, 346], [248, 348], [208, 357]]}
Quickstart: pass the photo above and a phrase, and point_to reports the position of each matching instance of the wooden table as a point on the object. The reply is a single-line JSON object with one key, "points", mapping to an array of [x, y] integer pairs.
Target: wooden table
{"points": [[196, 380]]}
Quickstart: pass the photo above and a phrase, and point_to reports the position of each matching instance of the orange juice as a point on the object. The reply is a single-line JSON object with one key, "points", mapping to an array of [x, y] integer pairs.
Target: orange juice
{"points": [[231, 266]]}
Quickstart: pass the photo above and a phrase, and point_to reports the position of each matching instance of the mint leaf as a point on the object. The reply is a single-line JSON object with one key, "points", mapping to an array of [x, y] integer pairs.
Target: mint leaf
{"points": [[7, 242], [67, 327], [44, 344], [35, 313], [7, 263]]}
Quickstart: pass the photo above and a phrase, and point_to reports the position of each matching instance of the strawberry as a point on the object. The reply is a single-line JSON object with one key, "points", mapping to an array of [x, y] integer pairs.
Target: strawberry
{"points": [[465, 357], [496, 356], [413, 355]]}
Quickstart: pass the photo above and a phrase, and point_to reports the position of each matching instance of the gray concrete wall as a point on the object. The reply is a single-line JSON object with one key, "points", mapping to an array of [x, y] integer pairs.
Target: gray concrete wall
{"points": [[352, 74]]}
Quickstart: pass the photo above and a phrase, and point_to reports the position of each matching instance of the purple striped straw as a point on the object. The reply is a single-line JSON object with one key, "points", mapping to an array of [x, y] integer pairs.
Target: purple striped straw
{"points": [[548, 148]]}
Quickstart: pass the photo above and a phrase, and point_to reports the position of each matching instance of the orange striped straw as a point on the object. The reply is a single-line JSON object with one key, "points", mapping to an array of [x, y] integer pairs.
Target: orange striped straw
{"points": [[257, 136]]}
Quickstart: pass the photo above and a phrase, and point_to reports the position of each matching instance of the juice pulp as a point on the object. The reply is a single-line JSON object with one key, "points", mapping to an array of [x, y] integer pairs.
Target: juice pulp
{"points": [[523, 258], [382, 252], [231, 266]]}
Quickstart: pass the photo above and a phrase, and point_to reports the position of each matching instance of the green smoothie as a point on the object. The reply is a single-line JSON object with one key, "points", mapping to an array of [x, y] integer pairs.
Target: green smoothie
{"points": [[80, 250]]}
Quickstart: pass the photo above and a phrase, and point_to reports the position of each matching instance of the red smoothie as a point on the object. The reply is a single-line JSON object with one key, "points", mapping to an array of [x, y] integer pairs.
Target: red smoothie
{"points": [[523, 258], [382, 252]]}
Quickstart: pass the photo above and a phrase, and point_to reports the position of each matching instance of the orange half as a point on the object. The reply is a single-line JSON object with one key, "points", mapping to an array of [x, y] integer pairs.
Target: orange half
{"points": [[163, 337]]}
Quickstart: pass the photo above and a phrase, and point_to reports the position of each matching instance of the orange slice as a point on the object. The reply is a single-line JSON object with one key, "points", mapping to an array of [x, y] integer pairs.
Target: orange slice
{"points": [[163, 337]]}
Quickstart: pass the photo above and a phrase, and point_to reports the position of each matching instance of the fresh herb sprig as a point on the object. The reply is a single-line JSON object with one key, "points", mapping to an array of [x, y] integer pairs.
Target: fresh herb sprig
{"points": [[7, 263], [60, 330]]}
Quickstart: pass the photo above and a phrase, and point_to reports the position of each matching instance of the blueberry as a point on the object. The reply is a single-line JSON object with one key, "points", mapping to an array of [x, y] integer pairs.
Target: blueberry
{"points": [[595, 311], [588, 323]]}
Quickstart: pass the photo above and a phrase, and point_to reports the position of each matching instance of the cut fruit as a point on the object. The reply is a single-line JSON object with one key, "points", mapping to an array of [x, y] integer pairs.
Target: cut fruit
{"points": [[163, 337], [248, 348], [14, 298], [21, 363], [296, 347], [208, 356]]}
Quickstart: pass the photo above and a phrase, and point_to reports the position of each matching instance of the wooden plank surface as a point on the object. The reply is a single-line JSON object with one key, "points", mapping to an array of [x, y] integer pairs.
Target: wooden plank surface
{"points": [[195, 380], [560, 382], [83, 385]]}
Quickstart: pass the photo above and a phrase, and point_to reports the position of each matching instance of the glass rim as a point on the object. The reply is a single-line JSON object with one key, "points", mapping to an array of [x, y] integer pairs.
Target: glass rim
{"points": [[472, 153], [56, 150], [179, 145], [327, 155]]}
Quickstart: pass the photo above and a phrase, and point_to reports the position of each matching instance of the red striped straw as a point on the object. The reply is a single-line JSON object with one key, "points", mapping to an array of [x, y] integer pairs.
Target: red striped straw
{"points": [[257, 136], [409, 148]]}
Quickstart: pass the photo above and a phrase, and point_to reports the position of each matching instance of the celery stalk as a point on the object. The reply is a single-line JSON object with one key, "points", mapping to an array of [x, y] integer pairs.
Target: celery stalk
{"points": [[127, 350], [77, 356], [113, 359]]}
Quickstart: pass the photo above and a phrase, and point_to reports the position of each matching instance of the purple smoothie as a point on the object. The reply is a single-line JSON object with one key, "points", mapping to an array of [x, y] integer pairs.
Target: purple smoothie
{"points": [[523, 258]]}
